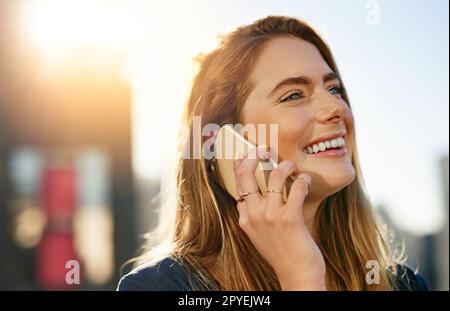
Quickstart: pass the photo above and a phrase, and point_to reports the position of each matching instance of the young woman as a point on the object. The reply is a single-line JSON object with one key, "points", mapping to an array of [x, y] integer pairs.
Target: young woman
{"points": [[325, 235]]}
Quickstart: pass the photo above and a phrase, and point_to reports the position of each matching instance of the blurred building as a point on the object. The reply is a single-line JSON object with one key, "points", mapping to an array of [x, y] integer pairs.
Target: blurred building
{"points": [[443, 236], [428, 254], [66, 184]]}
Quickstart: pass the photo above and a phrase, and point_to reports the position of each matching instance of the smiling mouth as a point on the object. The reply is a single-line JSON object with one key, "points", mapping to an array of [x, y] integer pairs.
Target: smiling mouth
{"points": [[336, 143]]}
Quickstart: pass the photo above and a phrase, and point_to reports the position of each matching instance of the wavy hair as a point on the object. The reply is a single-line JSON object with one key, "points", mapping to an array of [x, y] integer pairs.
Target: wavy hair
{"points": [[200, 227]]}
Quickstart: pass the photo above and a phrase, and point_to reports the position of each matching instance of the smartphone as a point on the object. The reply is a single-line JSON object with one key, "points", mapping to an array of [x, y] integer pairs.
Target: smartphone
{"points": [[228, 146]]}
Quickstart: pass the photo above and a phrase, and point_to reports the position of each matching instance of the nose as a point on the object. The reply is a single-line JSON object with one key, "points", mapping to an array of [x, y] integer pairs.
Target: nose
{"points": [[330, 108]]}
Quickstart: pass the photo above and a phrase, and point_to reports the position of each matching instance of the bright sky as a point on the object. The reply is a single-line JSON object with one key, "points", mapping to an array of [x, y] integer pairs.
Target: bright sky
{"points": [[396, 71]]}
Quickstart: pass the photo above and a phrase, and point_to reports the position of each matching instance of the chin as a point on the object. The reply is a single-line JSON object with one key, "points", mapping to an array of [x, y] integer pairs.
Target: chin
{"points": [[325, 184]]}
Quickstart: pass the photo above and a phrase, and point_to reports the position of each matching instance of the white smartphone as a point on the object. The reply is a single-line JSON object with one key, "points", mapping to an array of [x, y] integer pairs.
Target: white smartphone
{"points": [[228, 146]]}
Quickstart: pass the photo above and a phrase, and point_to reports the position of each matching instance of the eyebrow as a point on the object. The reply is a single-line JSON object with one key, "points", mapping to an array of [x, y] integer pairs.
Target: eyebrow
{"points": [[302, 80]]}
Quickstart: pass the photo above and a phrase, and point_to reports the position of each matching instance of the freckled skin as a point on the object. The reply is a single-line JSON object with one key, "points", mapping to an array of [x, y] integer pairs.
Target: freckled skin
{"points": [[301, 120]]}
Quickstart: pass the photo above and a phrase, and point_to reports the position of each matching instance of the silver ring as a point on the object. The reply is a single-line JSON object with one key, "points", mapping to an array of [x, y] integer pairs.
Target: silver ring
{"points": [[243, 195], [274, 191], [247, 193]]}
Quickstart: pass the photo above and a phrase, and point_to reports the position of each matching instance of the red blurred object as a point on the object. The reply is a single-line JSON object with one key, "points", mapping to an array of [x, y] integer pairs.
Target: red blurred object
{"points": [[58, 195], [55, 250], [58, 192]]}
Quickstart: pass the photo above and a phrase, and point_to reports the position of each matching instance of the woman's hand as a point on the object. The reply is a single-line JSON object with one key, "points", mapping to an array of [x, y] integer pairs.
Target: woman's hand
{"points": [[277, 228]]}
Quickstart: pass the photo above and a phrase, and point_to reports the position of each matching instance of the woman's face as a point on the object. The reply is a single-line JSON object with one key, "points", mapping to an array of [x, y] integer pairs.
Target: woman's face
{"points": [[296, 89]]}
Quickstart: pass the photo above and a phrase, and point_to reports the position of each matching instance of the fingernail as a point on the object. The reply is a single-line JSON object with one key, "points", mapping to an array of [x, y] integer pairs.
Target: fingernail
{"points": [[265, 147], [262, 153]]}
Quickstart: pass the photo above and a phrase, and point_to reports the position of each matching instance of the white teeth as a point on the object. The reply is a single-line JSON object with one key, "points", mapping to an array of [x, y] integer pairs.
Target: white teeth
{"points": [[322, 147]]}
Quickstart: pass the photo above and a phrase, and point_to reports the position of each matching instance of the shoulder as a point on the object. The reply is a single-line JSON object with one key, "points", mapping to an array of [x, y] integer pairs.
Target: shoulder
{"points": [[409, 280], [165, 275]]}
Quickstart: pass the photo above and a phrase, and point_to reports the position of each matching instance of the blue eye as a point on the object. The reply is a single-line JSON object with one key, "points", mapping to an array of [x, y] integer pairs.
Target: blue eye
{"points": [[337, 90], [294, 95]]}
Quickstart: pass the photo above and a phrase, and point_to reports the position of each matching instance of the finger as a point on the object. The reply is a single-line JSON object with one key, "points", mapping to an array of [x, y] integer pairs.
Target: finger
{"points": [[245, 173], [243, 214], [298, 192], [277, 180]]}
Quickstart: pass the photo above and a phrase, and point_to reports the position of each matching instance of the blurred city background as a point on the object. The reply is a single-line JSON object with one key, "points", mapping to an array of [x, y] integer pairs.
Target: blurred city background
{"points": [[90, 97]]}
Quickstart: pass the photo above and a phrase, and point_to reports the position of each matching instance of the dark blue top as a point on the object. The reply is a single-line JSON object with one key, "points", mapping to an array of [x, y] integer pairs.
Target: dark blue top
{"points": [[171, 275]]}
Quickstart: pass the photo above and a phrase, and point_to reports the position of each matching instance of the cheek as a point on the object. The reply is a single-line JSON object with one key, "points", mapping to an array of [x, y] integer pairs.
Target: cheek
{"points": [[291, 130], [348, 119], [349, 126], [292, 125]]}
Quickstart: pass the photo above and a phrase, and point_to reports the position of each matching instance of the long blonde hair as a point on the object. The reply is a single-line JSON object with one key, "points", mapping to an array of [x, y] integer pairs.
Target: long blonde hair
{"points": [[201, 226]]}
